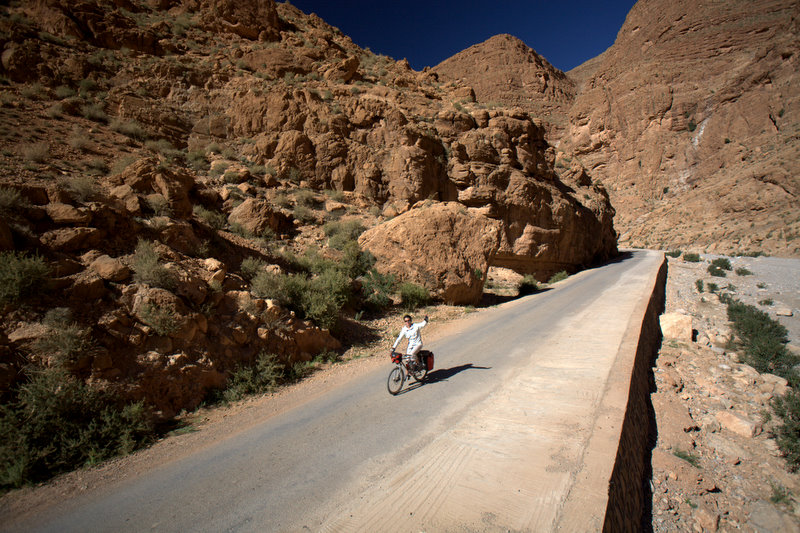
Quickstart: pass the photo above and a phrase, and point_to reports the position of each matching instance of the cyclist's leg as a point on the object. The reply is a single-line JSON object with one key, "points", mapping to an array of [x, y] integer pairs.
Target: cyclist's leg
{"points": [[413, 351]]}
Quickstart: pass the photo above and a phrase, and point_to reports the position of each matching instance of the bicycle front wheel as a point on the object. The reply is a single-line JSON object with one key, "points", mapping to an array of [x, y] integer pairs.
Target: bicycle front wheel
{"points": [[396, 380]]}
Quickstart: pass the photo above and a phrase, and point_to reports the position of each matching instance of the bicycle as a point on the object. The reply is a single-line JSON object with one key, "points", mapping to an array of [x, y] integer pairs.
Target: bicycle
{"points": [[405, 366]]}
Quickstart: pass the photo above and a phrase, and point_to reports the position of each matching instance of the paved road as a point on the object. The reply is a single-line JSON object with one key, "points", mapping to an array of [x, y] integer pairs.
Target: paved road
{"points": [[494, 442]]}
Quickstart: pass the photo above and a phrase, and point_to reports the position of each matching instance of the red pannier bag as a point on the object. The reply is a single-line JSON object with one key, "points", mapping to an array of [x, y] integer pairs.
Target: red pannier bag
{"points": [[428, 358]]}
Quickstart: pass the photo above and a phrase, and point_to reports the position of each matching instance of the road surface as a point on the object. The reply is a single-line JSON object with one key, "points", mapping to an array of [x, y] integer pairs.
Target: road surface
{"points": [[494, 441]]}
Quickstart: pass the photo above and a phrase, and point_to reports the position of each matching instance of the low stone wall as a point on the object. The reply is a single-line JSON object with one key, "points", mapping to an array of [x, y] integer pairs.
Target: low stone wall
{"points": [[629, 494]]}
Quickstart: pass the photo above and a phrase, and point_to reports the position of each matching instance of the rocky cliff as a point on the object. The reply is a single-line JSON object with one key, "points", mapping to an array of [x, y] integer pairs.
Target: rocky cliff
{"points": [[160, 156], [690, 120]]}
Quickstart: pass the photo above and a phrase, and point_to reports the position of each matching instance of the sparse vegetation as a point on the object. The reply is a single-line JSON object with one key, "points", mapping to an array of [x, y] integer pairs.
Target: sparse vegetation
{"points": [[163, 319], [691, 257], [55, 423], [376, 289], [81, 188], [699, 285], [21, 276], [674, 253], [714, 270], [339, 233], [558, 276], [763, 341], [688, 457], [260, 378], [413, 296], [65, 340], [147, 267], [251, 266], [11, 201], [742, 271], [528, 285], [215, 219], [36, 152]]}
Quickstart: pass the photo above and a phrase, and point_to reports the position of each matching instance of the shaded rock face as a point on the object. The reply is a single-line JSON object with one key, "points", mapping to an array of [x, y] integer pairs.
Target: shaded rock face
{"points": [[442, 246], [504, 69], [690, 121]]}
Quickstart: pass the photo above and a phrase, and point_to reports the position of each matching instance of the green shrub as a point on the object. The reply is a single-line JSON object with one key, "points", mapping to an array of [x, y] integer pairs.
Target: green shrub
{"points": [[147, 267], [691, 257], [163, 320], [376, 289], [713, 288], [63, 91], [413, 296], [131, 129], [714, 270], [763, 341], [787, 408], [306, 198], [722, 262], [21, 276], [356, 262], [323, 297], [674, 253], [36, 152], [251, 266], [340, 233], [319, 298], [558, 276], [56, 424], [197, 160], [528, 285], [65, 339], [766, 301], [272, 286], [304, 214], [699, 285], [11, 201], [741, 271], [94, 112], [215, 219], [81, 188], [262, 377]]}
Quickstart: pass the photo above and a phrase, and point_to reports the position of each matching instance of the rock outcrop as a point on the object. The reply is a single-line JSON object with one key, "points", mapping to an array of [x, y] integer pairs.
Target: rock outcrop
{"points": [[444, 247], [690, 120], [503, 69], [225, 138]]}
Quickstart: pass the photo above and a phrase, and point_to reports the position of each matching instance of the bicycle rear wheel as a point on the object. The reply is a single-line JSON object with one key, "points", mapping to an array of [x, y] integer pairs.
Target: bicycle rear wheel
{"points": [[420, 374], [396, 380]]}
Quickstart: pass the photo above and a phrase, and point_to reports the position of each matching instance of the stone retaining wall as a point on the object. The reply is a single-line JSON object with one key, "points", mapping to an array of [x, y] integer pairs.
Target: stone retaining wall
{"points": [[629, 494]]}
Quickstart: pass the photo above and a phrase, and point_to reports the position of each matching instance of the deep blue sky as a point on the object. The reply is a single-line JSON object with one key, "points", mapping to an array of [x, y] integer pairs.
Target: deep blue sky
{"points": [[565, 32]]}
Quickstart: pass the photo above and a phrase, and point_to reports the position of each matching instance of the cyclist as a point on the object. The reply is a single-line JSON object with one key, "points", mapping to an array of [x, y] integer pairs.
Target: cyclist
{"points": [[411, 332]]}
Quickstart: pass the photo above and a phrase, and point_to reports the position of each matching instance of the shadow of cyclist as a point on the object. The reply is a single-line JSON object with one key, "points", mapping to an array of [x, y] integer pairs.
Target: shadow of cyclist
{"points": [[444, 373]]}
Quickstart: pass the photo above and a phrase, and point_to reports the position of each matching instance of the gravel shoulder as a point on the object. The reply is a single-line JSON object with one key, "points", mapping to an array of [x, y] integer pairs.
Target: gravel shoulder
{"points": [[716, 465]]}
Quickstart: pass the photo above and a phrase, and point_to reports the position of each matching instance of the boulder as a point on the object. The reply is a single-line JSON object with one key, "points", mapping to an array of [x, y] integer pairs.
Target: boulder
{"points": [[676, 326], [72, 239], [110, 269], [738, 423], [256, 215], [442, 246], [66, 214]]}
